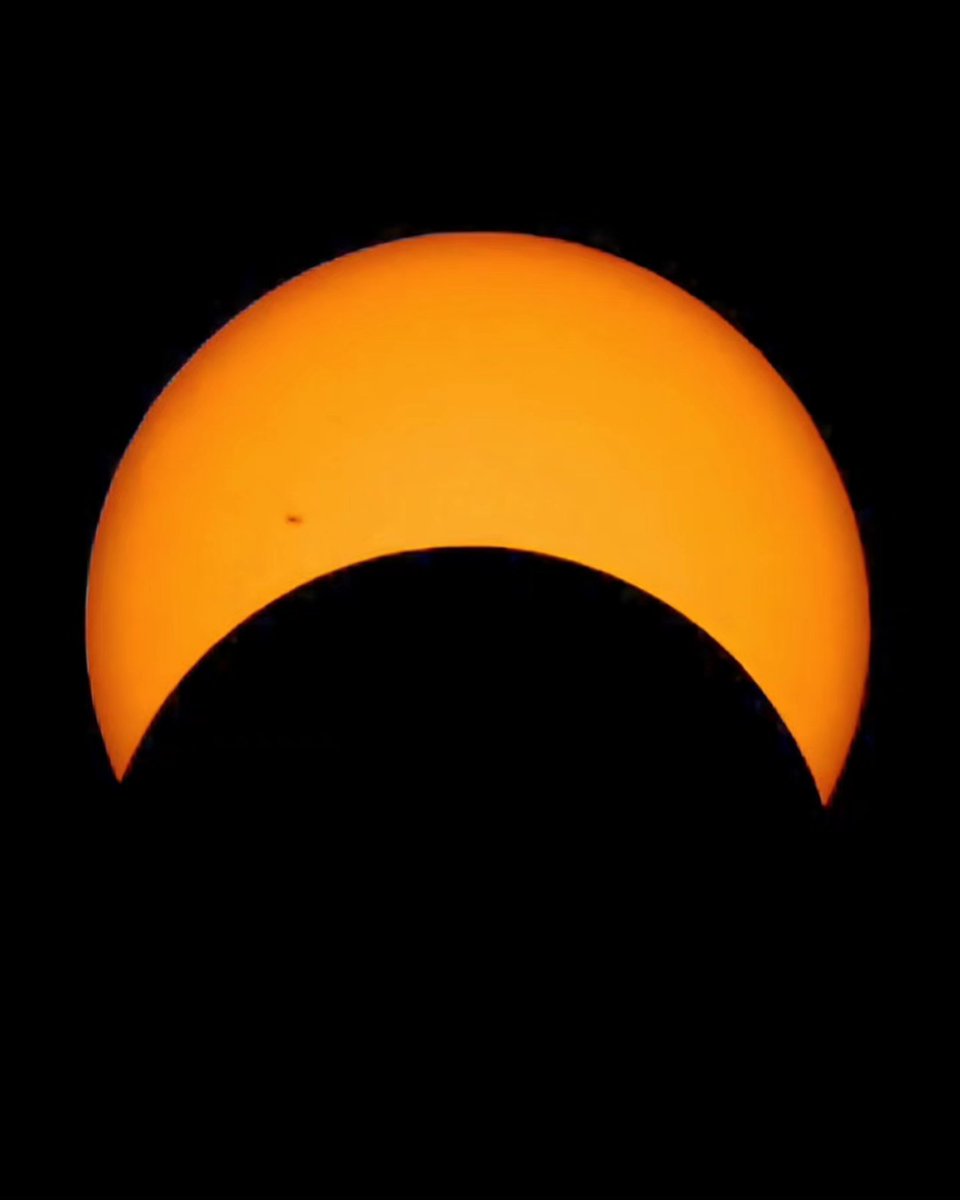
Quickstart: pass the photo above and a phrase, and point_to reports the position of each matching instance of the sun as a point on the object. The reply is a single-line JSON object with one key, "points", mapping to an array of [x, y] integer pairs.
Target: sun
{"points": [[492, 390]]}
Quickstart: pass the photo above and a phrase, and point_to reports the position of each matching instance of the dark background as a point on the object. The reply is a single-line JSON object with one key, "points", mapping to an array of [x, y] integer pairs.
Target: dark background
{"points": [[700, 941]]}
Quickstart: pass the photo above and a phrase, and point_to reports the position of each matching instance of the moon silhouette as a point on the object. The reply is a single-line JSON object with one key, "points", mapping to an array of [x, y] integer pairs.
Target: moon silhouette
{"points": [[491, 390]]}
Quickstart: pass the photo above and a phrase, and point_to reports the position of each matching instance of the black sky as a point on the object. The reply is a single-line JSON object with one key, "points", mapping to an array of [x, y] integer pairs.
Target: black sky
{"points": [[175, 942]]}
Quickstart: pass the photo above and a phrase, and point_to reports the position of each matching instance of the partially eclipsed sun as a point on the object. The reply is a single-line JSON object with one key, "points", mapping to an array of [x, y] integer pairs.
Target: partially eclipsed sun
{"points": [[483, 390]]}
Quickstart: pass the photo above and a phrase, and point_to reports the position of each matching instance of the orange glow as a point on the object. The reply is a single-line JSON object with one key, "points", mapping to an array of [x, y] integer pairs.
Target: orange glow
{"points": [[483, 390]]}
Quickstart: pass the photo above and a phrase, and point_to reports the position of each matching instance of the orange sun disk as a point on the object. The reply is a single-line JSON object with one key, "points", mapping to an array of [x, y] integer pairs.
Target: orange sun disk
{"points": [[483, 390]]}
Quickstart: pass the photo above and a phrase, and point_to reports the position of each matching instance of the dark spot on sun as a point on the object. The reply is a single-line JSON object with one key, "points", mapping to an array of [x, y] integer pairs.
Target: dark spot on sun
{"points": [[294, 519]]}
